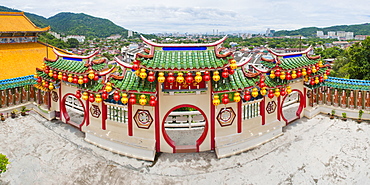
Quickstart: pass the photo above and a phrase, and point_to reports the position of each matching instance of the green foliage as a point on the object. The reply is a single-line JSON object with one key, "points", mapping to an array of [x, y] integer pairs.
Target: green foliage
{"points": [[360, 112], [360, 29], [344, 115], [73, 43], [332, 52], [333, 112], [50, 39], [3, 163]]}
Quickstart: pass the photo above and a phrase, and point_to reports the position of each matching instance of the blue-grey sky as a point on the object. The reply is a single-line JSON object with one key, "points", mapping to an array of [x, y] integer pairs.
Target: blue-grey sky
{"points": [[202, 16]]}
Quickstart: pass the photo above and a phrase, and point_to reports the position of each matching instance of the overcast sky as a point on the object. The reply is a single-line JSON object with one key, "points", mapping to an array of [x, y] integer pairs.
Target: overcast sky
{"points": [[202, 16]]}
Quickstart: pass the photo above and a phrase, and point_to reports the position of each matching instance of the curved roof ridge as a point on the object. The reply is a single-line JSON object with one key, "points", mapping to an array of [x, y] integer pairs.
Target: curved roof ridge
{"points": [[289, 54], [184, 45]]}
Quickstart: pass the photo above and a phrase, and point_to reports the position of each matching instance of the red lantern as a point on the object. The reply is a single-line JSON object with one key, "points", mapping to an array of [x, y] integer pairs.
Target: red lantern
{"points": [[135, 67], [189, 78], [132, 99], [321, 79], [65, 77], [262, 84], [225, 73], [104, 95], [299, 73], [85, 79], [78, 94], [151, 78], [231, 71], [206, 76], [137, 62], [46, 70], [288, 76], [96, 77], [55, 75], [170, 78], [282, 92], [271, 94], [152, 101], [39, 80], [225, 99], [116, 96], [46, 85], [247, 96], [327, 72], [309, 71], [91, 98], [277, 73], [312, 82], [75, 80]]}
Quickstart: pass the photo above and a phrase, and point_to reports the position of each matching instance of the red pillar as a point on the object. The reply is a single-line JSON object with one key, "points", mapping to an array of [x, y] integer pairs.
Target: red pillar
{"points": [[157, 123], [87, 113], [240, 117], [263, 110], [213, 129], [104, 116], [129, 114]]}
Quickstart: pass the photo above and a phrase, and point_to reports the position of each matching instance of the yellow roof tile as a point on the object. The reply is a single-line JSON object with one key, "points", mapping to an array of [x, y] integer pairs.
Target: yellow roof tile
{"points": [[21, 59], [18, 22]]}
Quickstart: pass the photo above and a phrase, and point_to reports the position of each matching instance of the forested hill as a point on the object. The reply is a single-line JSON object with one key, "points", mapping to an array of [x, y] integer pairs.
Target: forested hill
{"points": [[359, 29], [75, 24]]}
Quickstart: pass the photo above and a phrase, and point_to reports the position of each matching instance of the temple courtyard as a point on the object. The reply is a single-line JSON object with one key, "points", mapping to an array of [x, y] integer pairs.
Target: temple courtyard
{"points": [[315, 151]]}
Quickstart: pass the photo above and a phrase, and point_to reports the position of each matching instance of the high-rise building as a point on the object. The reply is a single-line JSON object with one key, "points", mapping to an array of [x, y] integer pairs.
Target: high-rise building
{"points": [[349, 35], [331, 34], [130, 33], [319, 33], [341, 34]]}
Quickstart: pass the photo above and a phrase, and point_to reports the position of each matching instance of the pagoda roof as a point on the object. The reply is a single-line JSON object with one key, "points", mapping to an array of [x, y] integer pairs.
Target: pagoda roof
{"points": [[17, 82], [21, 59], [13, 22], [289, 54], [184, 60], [132, 83], [73, 66], [352, 84], [151, 43], [235, 82], [290, 63]]}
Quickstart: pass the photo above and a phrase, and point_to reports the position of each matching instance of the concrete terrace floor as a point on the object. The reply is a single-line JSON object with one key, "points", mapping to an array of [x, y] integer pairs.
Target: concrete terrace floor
{"points": [[315, 151]]}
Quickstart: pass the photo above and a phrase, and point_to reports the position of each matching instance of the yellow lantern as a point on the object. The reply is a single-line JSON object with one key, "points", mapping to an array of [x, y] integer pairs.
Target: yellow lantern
{"points": [[313, 69], [180, 78], [294, 75], [85, 96], [137, 72], [161, 77], [232, 61], [91, 74], [108, 87], [233, 66], [216, 100], [272, 74], [43, 82], [98, 98], [304, 73], [254, 92], [277, 92], [43, 66], [288, 90], [35, 75], [263, 91], [282, 75], [317, 80], [60, 75], [306, 78], [198, 77], [70, 78], [216, 77], [124, 98], [325, 77], [80, 80], [142, 100], [320, 64], [143, 74], [51, 73], [51, 86], [237, 97]]}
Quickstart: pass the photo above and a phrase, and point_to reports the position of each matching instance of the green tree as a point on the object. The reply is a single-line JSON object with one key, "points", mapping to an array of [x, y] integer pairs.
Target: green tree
{"points": [[73, 43]]}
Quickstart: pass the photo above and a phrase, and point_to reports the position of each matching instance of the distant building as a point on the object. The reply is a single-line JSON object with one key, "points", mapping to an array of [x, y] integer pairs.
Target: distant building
{"points": [[349, 35], [80, 38], [341, 34], [361, 37], [332, 34], [130, 33], [114, 37], [319, 33]]}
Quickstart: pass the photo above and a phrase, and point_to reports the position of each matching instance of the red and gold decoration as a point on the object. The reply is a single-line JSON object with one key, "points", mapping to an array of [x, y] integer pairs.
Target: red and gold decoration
{"points": [[161, 77], [226, 116], [216, 100], [143, 119], [237, 97], [142, 100], [216, 77], [124, 98]]}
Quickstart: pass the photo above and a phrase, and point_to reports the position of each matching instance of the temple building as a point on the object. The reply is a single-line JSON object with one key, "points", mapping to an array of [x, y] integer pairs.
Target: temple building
{"points": [[178, 98], [20, 54]]}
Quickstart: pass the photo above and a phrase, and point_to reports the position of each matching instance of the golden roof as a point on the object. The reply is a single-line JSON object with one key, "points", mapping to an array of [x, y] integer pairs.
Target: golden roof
{"points": [[21, 59], [17, 22]]}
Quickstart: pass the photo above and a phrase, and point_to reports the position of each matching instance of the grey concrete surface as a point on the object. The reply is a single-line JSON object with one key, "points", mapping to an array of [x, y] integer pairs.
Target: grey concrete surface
{"points": [[315, 151]]}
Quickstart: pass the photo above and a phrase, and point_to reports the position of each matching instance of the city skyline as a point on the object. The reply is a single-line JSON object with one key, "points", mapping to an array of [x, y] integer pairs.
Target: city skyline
{"points": [[205, 16]]}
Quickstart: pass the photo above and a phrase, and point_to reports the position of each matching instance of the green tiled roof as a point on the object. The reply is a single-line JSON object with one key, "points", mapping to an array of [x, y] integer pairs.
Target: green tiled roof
{"points": [[17, 82], [296, 62], [343, 83], [274, 82], [268, 64], [45, 76], [72, 66], [184, 60], [133, 82], [234, 82], [92, 85]]}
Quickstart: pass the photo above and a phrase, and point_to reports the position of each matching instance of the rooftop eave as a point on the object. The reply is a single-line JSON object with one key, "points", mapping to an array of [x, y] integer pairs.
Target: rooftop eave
{"points": [[289, 54], [74, 56], [184, 45]]}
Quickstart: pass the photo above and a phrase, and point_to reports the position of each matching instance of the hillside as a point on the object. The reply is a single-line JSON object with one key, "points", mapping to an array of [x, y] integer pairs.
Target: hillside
{"points": [[359, 29], [75, 24]]}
